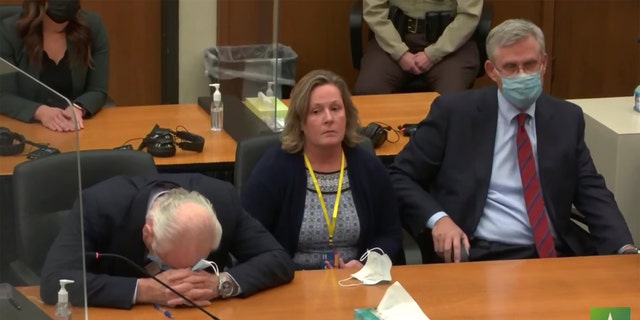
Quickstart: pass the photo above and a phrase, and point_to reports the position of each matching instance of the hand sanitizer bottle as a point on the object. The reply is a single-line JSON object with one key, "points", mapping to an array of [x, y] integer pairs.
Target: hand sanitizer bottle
{"points": [[636, 99], [269, 92], [216, 109], [63, 308]]}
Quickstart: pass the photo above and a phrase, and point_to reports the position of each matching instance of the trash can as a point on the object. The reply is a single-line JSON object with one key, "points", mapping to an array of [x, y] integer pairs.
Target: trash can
{"points": [[242, 71]]}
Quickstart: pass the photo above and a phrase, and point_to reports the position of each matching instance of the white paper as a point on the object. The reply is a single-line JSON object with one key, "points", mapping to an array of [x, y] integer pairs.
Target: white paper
{"points": [[397, 304]]}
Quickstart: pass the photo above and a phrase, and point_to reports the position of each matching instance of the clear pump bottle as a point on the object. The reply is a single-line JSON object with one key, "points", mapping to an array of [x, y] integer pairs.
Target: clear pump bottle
{"points": [[217, 109], [269, 92], [63, 308]]}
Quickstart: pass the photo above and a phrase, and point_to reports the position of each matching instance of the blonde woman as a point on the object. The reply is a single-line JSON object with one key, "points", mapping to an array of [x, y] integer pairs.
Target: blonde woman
{"points": [[325, 199]]}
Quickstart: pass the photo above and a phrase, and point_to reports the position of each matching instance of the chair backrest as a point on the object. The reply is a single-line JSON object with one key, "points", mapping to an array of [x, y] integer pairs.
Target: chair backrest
{"points": [[481, 33], [45, 190], [355, 33], [249, 152]]}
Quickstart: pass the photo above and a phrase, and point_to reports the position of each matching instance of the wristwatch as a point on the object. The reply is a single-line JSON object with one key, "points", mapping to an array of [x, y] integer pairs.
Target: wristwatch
{"points": [[631, 251], [227, 287]]}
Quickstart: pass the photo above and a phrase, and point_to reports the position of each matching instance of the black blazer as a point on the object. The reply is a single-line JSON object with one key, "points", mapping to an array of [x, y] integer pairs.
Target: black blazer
{"points": [[21, 96], [446, 166], [114, 214]]}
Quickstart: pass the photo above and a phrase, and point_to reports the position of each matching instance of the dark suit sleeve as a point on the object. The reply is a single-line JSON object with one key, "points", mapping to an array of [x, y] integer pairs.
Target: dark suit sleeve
{"points": [[263, 263], [388, 226], [596, 202], [97, 79], [417, 166], [11, 103], [64, 260]]}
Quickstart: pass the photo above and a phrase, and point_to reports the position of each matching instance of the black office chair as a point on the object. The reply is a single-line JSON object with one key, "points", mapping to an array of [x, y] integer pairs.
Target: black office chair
{"points": [[248, 153], [418, 85], [45, 190]]}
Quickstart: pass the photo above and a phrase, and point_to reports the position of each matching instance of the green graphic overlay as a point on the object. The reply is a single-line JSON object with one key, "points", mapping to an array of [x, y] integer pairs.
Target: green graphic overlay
{"points": [[611, 313]]}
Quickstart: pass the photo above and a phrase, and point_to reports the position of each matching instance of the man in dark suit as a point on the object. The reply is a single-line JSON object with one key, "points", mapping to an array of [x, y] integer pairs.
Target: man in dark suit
{"points": [[495, 171], [167, 224]]}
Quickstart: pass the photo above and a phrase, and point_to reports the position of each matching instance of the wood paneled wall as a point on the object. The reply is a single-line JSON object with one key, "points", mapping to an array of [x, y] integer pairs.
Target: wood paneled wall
{"points": [[134, 33], [319, 33], [592, 45], [245, 22], [596, 48]]}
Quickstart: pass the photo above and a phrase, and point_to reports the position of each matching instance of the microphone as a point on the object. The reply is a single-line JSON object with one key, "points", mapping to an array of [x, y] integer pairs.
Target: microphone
{"points": [[98, 255]]}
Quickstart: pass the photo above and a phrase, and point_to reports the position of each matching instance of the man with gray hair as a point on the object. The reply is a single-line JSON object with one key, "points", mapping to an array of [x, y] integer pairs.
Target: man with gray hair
{"points": [[495, 171], [188, 230]]}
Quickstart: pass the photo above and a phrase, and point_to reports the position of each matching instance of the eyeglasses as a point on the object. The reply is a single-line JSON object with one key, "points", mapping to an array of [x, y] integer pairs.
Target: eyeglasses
{"points": [[512, 69]]}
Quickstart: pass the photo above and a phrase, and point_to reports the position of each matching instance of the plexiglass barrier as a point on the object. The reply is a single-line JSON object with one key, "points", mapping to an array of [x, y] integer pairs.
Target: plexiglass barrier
{"points": [[39, 185], [254, 76]]}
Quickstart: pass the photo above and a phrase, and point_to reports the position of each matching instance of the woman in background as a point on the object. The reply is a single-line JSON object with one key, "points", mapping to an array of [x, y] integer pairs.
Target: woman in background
{"points": [[326, 199], [65, 48]]}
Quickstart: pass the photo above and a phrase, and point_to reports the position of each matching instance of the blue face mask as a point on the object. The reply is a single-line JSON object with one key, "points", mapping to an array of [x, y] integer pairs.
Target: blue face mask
{"points": [[522, 89], [163, 266]]}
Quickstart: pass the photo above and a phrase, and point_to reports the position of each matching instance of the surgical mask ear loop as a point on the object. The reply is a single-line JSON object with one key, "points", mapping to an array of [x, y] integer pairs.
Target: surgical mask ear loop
{"points": [[340, 283], [212, 264], [364, 256]]}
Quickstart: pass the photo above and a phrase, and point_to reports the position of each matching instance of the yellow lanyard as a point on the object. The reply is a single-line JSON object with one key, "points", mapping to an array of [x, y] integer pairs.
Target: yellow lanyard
{"points": [[331, 224]]}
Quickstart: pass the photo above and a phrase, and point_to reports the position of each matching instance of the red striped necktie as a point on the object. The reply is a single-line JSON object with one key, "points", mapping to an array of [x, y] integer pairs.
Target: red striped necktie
{"points": [[532, 193]]}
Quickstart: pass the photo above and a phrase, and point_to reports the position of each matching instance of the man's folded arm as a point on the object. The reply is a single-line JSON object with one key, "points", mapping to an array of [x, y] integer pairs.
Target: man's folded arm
{"points": [[64, 261], [263, 262]]}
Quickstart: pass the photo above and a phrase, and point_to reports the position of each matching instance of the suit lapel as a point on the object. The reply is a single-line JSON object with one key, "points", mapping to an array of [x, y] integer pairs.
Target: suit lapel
{"points": [[484, 125]]}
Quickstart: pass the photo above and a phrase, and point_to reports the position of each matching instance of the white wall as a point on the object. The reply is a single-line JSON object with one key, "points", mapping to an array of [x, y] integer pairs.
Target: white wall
{"points": [[197, 23]]}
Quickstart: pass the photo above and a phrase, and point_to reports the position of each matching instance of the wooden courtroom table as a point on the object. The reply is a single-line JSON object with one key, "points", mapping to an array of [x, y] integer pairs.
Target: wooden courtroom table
{"points": [[559, 288], [112, 127], [394, 110]]}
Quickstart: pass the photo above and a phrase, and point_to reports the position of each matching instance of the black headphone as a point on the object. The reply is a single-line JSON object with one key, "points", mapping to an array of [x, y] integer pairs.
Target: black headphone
{"points": [[189, 141], [11, 143], [377, 132], [160, 142]]}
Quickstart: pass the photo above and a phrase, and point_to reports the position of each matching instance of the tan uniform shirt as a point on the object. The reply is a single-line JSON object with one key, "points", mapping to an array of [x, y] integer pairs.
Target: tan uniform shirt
{"points": [[457, 33]]}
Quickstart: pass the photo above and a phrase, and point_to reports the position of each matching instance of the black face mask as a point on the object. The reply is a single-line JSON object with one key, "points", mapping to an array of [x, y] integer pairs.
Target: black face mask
{"points": [[61, 11]]}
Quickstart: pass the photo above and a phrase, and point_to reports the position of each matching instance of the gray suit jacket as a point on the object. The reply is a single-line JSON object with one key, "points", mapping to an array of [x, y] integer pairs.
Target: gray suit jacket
{"points": [[21, 96]]}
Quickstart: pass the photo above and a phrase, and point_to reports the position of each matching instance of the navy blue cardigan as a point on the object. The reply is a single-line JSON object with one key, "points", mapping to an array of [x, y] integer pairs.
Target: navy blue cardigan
{"points": [[276, 190]]}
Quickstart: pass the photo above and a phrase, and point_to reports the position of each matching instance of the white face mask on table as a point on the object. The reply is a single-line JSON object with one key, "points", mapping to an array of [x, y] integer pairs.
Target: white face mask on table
{"points": [[377, 269]]}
